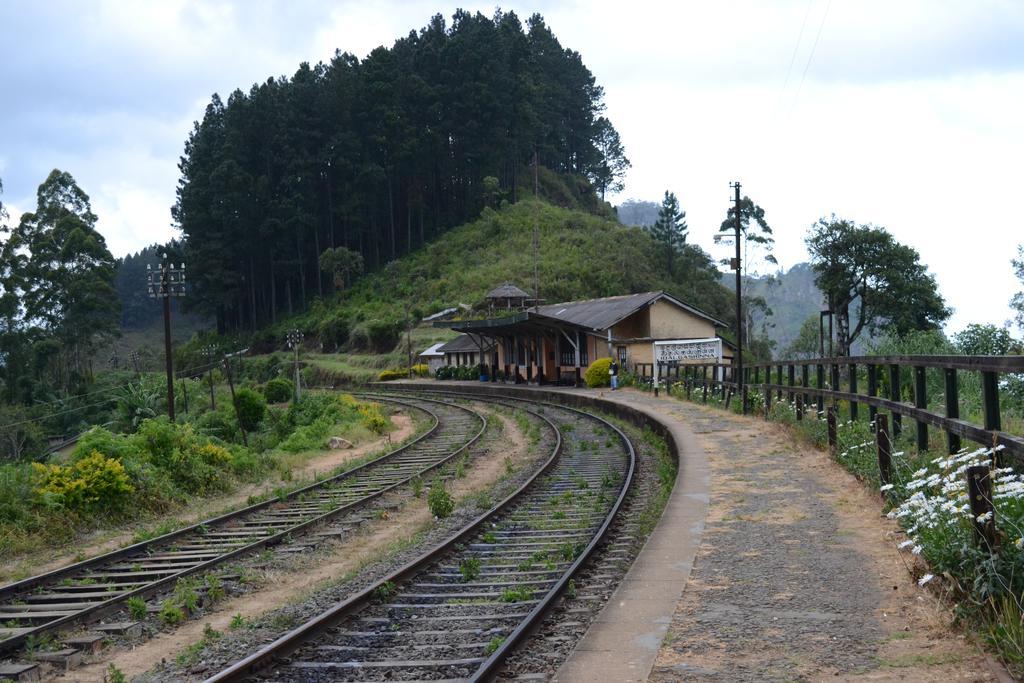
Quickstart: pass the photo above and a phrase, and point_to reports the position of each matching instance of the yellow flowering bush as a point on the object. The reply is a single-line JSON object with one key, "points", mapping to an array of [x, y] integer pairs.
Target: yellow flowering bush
{"points": [[598, 374], [372, 418], [94, 483]]}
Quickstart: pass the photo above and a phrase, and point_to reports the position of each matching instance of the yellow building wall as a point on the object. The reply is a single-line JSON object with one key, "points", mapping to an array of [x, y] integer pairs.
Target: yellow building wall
{"points": [[633, 327], [671, 322], [639, 353]]}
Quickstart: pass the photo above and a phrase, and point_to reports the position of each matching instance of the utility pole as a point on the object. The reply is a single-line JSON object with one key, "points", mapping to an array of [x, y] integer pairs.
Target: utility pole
{"points": [[737, 266], [536, 235], [231, 387], [165, 283], [210, 352], [408, 338], [294, 338]]}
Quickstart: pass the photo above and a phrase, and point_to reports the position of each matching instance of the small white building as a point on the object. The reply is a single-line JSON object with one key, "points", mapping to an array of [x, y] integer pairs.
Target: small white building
{"points": [[432, 357]]}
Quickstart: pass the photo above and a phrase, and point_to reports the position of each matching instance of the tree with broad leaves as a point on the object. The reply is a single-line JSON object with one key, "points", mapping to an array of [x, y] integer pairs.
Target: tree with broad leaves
{"points": [[807, 342], [985, 340], [863, 266], [1017, 302], [341, 264], [670, 230]]}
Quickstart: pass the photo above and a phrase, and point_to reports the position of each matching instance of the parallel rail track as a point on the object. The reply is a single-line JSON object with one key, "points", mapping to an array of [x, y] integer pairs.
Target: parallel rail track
{"points": [[88, 590], [459, 609]]}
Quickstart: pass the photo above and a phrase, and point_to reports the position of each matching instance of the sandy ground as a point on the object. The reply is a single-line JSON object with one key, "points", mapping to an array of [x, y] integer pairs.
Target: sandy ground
{"points": [[798, 576], [211, 507], [313, 572]]}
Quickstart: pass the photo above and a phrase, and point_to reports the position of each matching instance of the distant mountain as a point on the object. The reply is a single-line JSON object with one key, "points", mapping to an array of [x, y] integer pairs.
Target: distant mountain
{"points": [[792, 296], [638, 212]]}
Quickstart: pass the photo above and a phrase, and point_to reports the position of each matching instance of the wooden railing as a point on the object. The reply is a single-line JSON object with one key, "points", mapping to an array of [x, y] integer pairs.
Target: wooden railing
{"points": [[879, 383]]}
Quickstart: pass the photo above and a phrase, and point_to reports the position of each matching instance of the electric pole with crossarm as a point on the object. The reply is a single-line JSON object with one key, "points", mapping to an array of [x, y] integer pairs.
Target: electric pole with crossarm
{"points": [[738, 267], [164, 283]]}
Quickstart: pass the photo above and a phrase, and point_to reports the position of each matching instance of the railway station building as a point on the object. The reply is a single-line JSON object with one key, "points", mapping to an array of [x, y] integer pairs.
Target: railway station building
{"points": [[554, 343]]}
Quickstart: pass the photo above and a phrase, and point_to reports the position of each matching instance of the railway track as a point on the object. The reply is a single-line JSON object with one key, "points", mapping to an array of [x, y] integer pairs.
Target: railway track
{"points": [[89, 590], [458, 610]]}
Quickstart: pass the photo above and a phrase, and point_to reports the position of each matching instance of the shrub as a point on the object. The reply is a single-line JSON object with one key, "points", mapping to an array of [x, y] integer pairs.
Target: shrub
{"points": [[278, 390], [333, 332], [92, 484], [137, 608], [171, 614], [100, 440], [251, 408], [439, 500], [220, 424], [597, 374], [383, 334], [372, 418], [388, 375], [459, 372], [421, 370], [135, 403]]}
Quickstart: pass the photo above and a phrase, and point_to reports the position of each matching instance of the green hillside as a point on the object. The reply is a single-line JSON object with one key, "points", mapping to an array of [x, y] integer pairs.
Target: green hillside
{"points": [[582, 255]]}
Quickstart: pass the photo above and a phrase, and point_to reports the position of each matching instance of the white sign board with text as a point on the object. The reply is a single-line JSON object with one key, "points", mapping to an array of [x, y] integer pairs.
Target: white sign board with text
{"points": [[685, 350]]}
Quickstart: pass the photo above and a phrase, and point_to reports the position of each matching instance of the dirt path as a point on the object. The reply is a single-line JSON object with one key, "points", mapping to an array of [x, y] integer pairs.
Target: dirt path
{"points": [[313, 572], [209, 507], [798, 576]]}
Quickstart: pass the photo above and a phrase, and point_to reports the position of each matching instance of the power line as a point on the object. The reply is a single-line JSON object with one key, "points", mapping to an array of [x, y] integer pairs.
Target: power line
{"points": [[810, 57], [61, 412], [90, 405], [796, 49]]}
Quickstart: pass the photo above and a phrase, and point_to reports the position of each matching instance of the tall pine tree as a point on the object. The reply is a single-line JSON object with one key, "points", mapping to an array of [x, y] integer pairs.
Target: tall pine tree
{"points": [[670, 230]]}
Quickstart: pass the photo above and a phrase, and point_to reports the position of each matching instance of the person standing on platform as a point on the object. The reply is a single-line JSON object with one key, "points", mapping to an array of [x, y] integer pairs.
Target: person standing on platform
{"points": [[613, 372]]}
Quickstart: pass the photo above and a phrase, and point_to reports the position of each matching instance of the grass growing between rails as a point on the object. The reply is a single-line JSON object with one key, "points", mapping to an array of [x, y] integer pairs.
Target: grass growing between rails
{"points": [[115, 480], [927, 496]]}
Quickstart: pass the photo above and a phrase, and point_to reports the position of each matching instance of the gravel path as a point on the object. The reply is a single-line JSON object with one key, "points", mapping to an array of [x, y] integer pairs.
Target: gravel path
{"points": [[797, 576]]}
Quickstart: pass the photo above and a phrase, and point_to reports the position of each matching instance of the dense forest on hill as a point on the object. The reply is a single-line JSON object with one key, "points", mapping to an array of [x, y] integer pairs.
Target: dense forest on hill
{"points": [[581, 256], [379, 156]]}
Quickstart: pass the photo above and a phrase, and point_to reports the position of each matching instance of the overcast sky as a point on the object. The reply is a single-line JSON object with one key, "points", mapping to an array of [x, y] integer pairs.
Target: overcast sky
{"points": [[906, 114]]}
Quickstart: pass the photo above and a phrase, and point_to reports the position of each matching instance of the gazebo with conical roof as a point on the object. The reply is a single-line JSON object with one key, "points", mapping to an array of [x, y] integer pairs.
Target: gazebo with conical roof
{"points": [[507, 296]]}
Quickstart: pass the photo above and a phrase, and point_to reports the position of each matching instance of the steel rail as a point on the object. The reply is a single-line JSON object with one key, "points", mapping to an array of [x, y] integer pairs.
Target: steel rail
{"points": [[95, 610], [294, 639]]}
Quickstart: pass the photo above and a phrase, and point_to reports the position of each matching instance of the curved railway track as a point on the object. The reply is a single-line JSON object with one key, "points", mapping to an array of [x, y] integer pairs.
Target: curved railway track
{"points": [[86, 591], [458, 610]]}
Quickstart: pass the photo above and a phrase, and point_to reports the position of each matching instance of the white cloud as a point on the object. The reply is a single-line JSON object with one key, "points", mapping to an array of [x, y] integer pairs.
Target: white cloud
{"points": [[908, 117]]}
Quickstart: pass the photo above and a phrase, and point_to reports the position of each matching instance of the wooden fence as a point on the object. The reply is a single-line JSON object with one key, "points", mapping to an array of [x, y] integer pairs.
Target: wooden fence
{"points": [[878, 383]]}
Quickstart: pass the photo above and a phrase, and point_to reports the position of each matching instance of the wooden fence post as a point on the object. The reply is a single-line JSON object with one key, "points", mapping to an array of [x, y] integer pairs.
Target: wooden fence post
{"points": [[853, 390], [895, 395], [979, 489], [833, 430], [767, 392], [872, 391], [778, 382], [820, 376], [952, 408], [921, 401], [884, 449], [704, 378], [805, 376], [791, 373], [990, 394], [744, 395], [799, 406]]}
